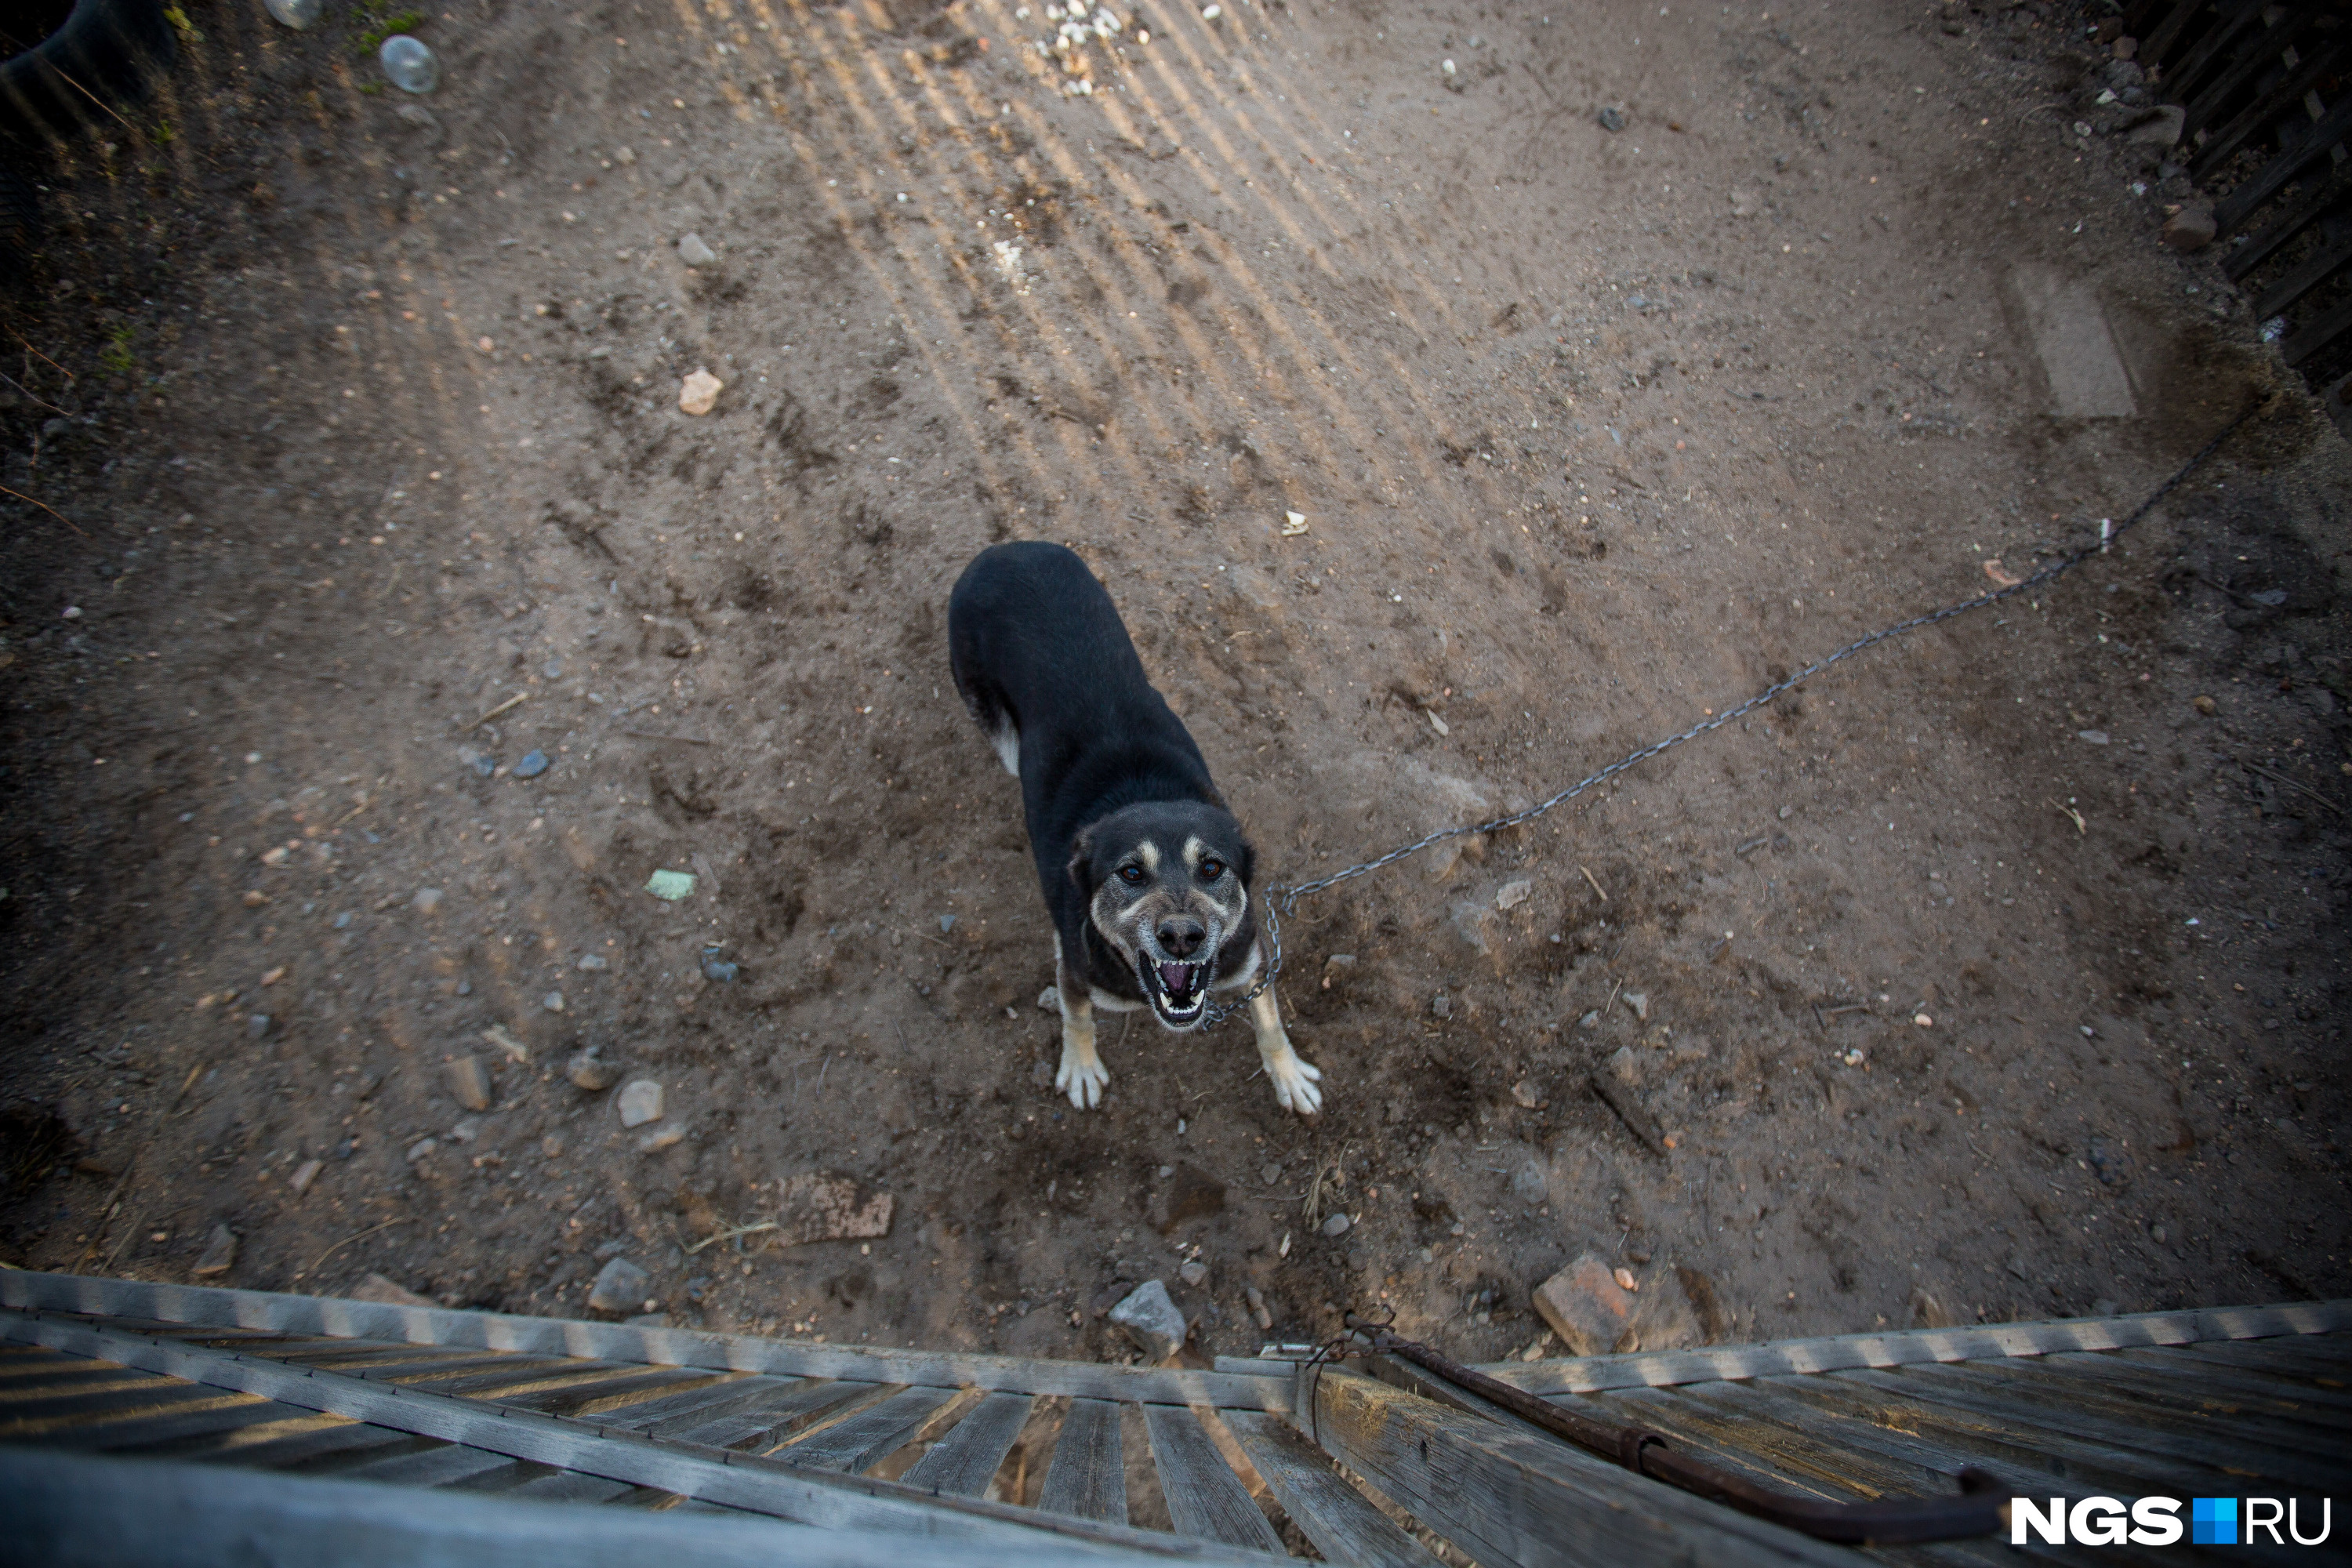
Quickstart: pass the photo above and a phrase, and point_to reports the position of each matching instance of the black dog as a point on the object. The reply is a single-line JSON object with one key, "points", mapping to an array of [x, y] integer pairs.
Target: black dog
{"points": [[1145, 873]]}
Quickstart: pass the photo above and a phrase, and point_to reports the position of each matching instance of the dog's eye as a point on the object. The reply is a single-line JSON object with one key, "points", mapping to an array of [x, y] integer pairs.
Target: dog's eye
{"points": [[1211, 870], [1132, 875]]}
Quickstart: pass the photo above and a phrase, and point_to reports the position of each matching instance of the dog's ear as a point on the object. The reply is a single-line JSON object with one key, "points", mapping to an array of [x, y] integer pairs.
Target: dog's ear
{"points": [[1080, 867]]}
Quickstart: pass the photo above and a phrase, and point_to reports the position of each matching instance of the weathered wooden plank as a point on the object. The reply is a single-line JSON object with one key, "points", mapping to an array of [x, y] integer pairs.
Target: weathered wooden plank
{"points": [[2158, 41], [1087, 1477], [2277, 1358], [171, 1428], [2214, 1390], [2088, 1412], [332, 1445], [707, 1403], [2261, 54], [40, 1417], [146, 1515], [2313, 337], [584, 1400], [2181, 80], [1740, 1441], [2306, 149], [1928, 1457], [517, 1375], [1342, 1522], [66, 1379], [2316, 270], [571, 1485], [432, 1467], [1997, 1442], [2131, 1443], [1513, 1497], [1914, 1346], [205, 1306], [962, 1463], [866, 1438], [754, 1484], [2285, 98], [775, 1419], [1205, 1497]]}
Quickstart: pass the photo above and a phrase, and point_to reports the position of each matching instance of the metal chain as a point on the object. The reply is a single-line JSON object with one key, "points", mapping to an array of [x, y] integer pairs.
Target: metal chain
{"points": [[1218, 1012]]}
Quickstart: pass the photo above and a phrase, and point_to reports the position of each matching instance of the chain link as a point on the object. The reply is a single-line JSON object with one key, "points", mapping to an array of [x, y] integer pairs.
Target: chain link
{"points": [[1288, 896]]}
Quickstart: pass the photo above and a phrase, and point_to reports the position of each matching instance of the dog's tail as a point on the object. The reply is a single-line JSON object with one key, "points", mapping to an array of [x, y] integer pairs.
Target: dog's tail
{"points": [[987, 706]]}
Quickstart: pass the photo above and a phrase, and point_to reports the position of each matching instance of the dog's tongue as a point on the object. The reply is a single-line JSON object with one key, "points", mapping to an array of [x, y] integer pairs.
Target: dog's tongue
{"points": [[1177, 977]]}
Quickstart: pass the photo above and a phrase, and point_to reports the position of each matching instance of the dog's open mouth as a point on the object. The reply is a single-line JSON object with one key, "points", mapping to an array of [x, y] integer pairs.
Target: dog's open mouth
{"points": [[1179, 992]]}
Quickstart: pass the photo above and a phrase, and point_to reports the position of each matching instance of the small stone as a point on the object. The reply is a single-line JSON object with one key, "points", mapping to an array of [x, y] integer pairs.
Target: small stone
{"points": [[1591, 1312], [1335, 1226], [827, 1205], [533, 763], [1523, 1094], [2092, 737], [552, 1001], [671, 884], [376, 1288], [591, 1071], [1257, 1299], [1625, 1280], [1151, 1319], [625, 156], [947, 924], [715, 968], [1531, 1183], [1787, 812], [1625, 1067], [469, 1083], [620, 1287], [1270, 1174], [220, 1253], [661, 1138], [2156, 1234], [2206, 706], [1923, 1020], [2104, 1307], [698, 393], [1049, 1000], [693, 252], [1612, 119], [1194, 1273], [1514, 893], [2160, 129], [2190, 228], [1441, 1005], [640, 1102], [422, 1147], [304, 1174], [426, 900], [551, 1146], [592, 963], [256, 1026], [1639, 1003]]}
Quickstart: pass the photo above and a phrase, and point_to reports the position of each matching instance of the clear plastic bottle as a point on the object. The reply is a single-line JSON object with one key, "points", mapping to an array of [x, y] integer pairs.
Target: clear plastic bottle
{"points": [[409, 64], [296, 14]]}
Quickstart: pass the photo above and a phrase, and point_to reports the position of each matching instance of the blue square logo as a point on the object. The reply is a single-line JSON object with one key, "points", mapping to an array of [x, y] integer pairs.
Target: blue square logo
{"points": [[2213, 1521]]}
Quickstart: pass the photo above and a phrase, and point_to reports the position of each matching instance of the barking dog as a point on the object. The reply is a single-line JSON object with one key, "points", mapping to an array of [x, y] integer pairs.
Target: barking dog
{"points": [[1145, 873]]}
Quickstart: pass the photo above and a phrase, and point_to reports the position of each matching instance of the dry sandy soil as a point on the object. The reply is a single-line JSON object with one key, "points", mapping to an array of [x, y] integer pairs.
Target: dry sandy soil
{"points": [[1991, 975]]}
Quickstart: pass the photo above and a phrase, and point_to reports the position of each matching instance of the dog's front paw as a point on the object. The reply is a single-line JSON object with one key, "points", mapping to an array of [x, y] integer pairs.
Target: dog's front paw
{"points": [[1082, 1078], [1295, 1088]]}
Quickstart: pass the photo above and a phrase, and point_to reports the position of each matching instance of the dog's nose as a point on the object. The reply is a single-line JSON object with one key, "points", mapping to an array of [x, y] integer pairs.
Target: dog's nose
{"points": [[1181, 939]]}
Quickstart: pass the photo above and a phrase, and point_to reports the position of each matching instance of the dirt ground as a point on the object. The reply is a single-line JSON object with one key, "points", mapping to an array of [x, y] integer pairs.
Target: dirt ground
{"points": [[1999, 972]]}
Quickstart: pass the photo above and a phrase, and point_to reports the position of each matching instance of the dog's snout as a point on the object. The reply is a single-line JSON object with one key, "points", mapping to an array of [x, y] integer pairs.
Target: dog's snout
{"points": [[1181, 938]]}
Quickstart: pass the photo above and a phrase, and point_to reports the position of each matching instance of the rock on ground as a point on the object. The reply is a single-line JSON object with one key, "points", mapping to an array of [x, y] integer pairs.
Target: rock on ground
{"points": [[1151, 1319], [640, 1102], [620, 1287], [376, 1288]]}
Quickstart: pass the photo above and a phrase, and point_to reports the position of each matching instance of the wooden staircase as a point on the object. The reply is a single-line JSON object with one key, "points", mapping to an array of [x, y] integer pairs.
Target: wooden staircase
{"points": [[169, 1424]]}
